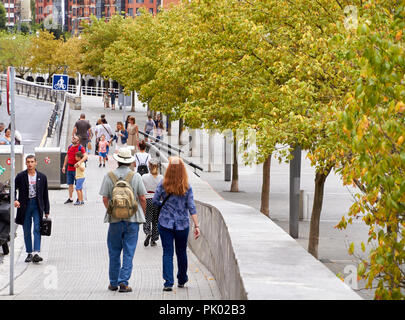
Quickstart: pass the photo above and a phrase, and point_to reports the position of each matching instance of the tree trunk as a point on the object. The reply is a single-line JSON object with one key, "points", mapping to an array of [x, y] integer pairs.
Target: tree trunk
{"points": [[264, 208], [234, 183], [133, 102], [313, 242]]}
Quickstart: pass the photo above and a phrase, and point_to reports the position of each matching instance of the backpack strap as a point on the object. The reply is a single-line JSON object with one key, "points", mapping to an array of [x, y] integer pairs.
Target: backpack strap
{"points": [[147, 159], [113, 177], [129, 177]]}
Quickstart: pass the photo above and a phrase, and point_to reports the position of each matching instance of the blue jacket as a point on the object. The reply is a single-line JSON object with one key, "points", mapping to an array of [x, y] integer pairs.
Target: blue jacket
{"points": [[124, 138]]}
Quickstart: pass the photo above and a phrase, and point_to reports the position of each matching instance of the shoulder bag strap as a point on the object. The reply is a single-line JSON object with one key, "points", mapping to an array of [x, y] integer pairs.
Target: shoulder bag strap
{"points": [[107, 131], [164, 201]]}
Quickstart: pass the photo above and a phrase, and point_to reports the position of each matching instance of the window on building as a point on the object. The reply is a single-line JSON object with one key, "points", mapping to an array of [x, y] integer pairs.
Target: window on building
{"points": [[150, 1], [131, 12], [151, 10], [130, 1], [139, 1]]}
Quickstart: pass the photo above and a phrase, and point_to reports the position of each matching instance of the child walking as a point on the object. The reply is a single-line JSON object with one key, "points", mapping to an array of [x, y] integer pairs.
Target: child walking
{"points": [[102, 149], [151, 181], [79, 179]]}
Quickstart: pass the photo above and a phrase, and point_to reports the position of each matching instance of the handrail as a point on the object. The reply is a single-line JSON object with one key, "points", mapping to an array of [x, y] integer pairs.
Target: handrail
{"points": [[160, 141], [191, 164]]}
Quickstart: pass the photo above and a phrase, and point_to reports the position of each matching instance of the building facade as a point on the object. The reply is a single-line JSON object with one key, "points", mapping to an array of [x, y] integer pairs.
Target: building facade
{"points": [[70, 13], [13, 11]]}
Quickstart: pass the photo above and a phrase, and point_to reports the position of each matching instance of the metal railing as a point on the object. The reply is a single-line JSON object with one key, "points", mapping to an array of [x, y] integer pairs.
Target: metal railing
{"points": [[166, 147], [23, 87], [59, 123]]}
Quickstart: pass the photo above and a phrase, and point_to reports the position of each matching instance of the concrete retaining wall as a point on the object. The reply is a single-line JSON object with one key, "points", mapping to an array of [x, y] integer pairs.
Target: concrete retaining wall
{"points": [[252, 258]]}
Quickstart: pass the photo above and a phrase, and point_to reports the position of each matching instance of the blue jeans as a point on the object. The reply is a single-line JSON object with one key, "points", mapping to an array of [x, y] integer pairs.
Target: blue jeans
{"points": [[179, 237], [122, 236], [32, 213]]}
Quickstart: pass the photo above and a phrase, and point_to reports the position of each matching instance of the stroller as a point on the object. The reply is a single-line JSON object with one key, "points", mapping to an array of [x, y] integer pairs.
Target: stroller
{"points": [[4, 217]]}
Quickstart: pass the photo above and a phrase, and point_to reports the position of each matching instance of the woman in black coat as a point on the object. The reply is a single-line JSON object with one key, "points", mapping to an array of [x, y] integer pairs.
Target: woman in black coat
{"points": [[32, 204]]}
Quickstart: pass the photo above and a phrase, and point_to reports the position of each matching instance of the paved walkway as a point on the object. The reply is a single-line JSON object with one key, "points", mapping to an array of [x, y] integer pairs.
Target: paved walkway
{"points": [[75, 262]]}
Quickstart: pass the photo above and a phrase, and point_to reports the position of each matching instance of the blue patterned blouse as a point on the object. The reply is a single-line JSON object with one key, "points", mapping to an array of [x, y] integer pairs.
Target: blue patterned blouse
{"points": [[174, 214]]}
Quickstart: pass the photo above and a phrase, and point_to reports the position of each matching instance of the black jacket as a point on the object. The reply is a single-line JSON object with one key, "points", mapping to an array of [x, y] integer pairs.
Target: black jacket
{"points": [[21, 184]]}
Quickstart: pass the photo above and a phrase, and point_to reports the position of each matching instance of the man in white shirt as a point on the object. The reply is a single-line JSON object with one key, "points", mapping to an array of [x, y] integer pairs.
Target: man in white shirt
{"points": [[104, 128]]}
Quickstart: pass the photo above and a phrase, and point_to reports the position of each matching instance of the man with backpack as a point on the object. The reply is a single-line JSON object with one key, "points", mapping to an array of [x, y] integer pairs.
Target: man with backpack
{"points": [[124, 198]]}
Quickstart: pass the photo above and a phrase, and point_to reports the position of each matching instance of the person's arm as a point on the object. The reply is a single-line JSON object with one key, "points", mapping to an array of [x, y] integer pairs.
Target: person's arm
{"points": [[193, 212], [157, 195], [85, 157], [65, 163], [74, 131], [17, 187], [197, 231], [142, 200], [105, 202]]}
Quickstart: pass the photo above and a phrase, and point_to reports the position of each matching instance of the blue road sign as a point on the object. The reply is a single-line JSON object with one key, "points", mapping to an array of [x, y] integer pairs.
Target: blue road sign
{"points": [[60, 82]]}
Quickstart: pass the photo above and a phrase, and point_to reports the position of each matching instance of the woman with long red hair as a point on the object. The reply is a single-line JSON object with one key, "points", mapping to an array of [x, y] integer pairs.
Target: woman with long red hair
{"points": [[174, 196]]}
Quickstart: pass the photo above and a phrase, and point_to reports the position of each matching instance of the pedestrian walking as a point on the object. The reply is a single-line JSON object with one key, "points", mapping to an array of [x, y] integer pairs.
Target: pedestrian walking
{"points": [[127, 121], [150, 127], [102, 150], [158, 118], [173, 224], [120, 137], [112, 95], [104, 128], [32, 204], [159, 131], [80, 177], [151, 180], [72, 164], [142, 159], [106, 100], [82, 129], [133, 133], [94, 129], [124, 221]]}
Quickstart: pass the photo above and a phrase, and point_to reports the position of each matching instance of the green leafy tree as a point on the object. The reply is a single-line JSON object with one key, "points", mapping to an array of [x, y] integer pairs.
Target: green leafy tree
{"points": [[46, 54], [13, 52], [374, 131], [97, 36], [3, 18]]}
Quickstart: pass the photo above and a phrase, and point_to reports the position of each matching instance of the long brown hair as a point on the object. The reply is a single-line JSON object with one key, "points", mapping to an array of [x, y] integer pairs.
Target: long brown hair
{"points": [[175, 180]]}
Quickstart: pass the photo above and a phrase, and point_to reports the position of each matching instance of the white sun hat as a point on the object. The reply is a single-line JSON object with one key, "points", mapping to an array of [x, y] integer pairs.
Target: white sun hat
{"points": [[124, 155]]}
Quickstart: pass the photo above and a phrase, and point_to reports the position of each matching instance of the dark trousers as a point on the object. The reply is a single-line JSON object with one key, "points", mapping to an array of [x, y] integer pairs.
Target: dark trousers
{"points": [[151, 216], [174, 239]]}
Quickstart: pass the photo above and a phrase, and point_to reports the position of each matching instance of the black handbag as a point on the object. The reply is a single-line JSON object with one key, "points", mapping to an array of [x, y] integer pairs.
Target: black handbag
{"points": [[46, 226], [163, 203]]}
